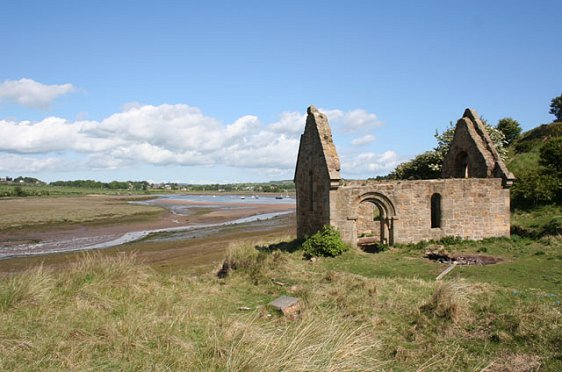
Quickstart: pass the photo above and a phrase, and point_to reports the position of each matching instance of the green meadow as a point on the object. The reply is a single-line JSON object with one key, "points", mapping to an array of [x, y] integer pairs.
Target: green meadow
{"points": [[358, 311]]}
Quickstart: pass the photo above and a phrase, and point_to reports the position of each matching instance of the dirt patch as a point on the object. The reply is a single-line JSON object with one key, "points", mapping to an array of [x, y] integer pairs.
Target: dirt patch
{"points": [[439, 254]]}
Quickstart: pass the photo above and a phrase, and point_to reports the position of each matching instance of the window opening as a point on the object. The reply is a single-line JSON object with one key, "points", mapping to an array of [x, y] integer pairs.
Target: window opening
{"points": [[435, 211]]}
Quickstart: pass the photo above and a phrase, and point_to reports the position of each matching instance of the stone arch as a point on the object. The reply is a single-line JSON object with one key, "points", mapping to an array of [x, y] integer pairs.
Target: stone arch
{"points": [[382, 224]]}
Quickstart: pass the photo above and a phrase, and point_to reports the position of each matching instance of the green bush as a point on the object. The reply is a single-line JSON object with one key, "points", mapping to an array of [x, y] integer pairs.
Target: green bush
{"points": [[326, 242], [534, 188]]}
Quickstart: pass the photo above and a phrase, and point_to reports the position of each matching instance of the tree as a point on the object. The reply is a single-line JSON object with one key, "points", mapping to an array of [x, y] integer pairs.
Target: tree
{"points": [[556, 107], [510, 128], [551, 156], [425, 166], [533, 187]]}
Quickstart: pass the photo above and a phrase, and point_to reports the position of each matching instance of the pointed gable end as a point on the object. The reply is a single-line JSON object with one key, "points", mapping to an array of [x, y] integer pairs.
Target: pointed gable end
{"points": [[317, 147], [473, 154]]}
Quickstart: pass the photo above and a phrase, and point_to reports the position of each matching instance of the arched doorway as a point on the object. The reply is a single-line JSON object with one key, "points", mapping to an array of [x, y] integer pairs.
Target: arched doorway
{"points": [[375, 221]]}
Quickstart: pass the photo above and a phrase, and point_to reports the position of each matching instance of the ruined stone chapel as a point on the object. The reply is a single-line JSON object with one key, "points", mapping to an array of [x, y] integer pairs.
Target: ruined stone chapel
{"points": [[470, 201]]}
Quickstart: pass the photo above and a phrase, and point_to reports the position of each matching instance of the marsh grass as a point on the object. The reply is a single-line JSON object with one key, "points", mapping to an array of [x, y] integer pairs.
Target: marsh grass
{"points": [[115, 313], [450, 301], [30, 287], [37, 213]]}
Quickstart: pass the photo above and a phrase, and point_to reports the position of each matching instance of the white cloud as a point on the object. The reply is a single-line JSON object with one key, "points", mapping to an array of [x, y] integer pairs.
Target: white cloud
{"points": [[243, 126], [30, 93], [174, 127], [352, 121], [171, 135], [290, 122], [16, 163], [363, 140], [52, 134], [360, 119], [371, 163]]}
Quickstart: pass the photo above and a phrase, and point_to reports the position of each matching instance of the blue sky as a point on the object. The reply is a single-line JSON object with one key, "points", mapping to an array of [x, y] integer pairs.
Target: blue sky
{"points": [[216, 91]]}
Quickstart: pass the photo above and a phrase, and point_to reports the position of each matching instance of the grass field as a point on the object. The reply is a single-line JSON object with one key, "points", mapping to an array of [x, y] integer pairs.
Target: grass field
{"points": [[38, 213], [47, 190], [359, 312]]}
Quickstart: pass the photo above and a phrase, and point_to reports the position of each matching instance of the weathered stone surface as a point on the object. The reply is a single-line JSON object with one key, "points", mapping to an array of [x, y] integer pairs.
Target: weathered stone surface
{"points": [[472, 208], [472, 205], [317, 171], [286, 304], [472, 152]]}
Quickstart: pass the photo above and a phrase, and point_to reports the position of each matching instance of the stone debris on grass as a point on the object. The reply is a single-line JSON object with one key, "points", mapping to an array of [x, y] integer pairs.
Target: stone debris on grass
{"points": [[439, 253], [289, 306]]}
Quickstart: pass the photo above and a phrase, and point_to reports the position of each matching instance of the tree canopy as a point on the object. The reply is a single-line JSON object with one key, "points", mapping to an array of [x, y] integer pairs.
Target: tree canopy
{"points": [[556, 107], [510, 128], [551, 155]]}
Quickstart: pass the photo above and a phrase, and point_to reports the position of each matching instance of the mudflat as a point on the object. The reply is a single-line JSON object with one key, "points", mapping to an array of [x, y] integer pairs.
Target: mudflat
{"points": [[97, 218]]}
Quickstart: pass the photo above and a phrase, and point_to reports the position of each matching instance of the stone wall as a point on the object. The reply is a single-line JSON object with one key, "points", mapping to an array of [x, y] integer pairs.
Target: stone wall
{"points": [[410, 211], [470, 208]]}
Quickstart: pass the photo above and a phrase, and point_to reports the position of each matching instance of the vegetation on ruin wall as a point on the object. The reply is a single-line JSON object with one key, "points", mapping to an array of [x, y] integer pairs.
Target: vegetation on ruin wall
{"points": [[358, 312]]}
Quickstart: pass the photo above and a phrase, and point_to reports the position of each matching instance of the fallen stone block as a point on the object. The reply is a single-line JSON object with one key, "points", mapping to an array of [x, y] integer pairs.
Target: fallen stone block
{"points": [[286, 304]]}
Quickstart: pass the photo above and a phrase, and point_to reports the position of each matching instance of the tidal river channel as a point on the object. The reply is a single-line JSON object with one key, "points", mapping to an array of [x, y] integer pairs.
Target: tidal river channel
{"points": [[186, 211]]}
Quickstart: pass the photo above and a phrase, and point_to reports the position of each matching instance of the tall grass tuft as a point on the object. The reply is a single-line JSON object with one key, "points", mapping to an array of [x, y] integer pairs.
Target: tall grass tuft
{"points": [[32, 286], [450, 301], [312, 343], [254, 263]]}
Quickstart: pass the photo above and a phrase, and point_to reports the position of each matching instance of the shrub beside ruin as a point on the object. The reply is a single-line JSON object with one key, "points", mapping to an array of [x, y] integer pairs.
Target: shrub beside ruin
{"points": [[326, 242]]}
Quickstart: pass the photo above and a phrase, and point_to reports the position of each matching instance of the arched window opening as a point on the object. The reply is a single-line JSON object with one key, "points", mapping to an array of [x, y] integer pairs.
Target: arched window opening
{"points": [[461, 165], [435, 211]]}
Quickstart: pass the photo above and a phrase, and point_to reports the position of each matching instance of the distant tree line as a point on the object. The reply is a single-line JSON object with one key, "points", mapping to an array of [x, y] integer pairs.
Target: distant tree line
{"points": [[22, 180], [113, 185], [279, 187]]}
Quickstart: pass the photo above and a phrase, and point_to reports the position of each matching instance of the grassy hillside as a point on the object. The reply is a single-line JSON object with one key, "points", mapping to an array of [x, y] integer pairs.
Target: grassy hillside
{"points": [[524, 153], [359, 312]]}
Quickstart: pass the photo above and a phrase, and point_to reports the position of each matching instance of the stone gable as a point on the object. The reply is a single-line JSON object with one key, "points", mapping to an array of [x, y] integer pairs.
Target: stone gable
{"points": [[472, 152]]}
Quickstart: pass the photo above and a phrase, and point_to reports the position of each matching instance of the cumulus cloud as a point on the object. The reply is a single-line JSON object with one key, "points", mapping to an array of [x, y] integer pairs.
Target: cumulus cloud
{"points": [[52, 134], [352, 121], [360, 119], [30, 93], [363, 140], [290, 122], [16, 163], [349, 121], [173, 135], [371, 163]]}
